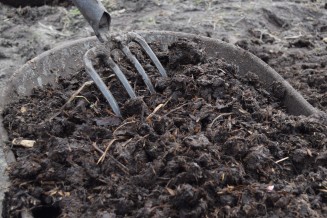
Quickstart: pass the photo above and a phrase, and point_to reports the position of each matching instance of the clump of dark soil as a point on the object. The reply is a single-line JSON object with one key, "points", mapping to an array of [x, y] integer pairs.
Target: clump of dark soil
{"points": [[209, 144], [303, 64]]}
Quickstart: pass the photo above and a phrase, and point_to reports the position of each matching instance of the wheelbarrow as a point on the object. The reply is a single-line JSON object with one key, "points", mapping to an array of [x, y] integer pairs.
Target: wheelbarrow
{"points": [[67, 59]]}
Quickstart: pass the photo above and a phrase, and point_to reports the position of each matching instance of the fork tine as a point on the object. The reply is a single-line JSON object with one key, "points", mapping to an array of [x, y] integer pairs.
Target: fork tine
{"points": [[100, 84], [138, 67], [122, 43], [122, 78], [141, 41]]}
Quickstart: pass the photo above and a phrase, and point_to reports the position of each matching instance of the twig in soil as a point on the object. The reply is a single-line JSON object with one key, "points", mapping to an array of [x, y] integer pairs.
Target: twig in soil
{"points": [[309, 152], [154, 112], [293, 37], [239, 20], [124, 124], [120, 165], [222, 70], [74, 95], [88, 83], [175, 109], [157, 109], [142, 137], [97, 148], [159, 206], [171, 191], [81, 96], [101, 159], [219, 116], [285, 158], [23, 142], [20, 185], [126, 143]]}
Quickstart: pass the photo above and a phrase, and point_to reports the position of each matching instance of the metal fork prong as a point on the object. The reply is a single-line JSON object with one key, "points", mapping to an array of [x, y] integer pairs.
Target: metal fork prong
{"points": [[121, 76], [141, 41], [138, 67], [100, 84]]}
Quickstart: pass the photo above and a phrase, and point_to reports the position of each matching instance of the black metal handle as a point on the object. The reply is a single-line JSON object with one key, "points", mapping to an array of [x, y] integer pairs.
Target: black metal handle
{"points": [[97, 16]]}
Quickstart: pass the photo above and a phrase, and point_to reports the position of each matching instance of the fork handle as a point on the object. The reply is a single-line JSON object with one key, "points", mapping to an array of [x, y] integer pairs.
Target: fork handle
{"points": [[97, 16]]}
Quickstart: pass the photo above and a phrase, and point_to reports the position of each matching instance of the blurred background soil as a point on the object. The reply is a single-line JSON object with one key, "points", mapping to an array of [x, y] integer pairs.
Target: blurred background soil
{"points": [[291, 36]]}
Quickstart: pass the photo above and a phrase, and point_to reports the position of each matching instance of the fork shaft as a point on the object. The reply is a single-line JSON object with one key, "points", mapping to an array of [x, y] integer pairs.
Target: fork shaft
{"points": [[97, 16]]}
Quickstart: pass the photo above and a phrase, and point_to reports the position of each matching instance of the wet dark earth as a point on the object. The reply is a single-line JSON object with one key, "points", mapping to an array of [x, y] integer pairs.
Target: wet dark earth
{"points": [[209, 144]]}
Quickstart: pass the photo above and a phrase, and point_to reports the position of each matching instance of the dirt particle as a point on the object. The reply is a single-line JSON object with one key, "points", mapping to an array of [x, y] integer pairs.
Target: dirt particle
{"points": [[197, 141]]}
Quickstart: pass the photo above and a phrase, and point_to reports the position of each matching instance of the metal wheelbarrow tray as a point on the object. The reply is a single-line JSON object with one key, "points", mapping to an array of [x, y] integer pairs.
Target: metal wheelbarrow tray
{"points": [[67, 59]]}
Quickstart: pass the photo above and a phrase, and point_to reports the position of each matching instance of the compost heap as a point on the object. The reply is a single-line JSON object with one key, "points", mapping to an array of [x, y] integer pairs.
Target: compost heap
{"points": [[209, 143]]}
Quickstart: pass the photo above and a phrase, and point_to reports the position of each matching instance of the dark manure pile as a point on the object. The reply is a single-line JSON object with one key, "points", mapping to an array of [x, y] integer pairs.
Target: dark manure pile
{"points": [[209, 143]]}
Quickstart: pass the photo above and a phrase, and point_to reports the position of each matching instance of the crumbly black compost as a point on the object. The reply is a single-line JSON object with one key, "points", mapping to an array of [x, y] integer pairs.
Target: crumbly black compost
{"points": [[210, 143]]}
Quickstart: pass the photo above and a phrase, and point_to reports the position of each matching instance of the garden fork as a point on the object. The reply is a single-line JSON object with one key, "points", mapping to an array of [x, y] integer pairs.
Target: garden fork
{"points": [[99, 19]]}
